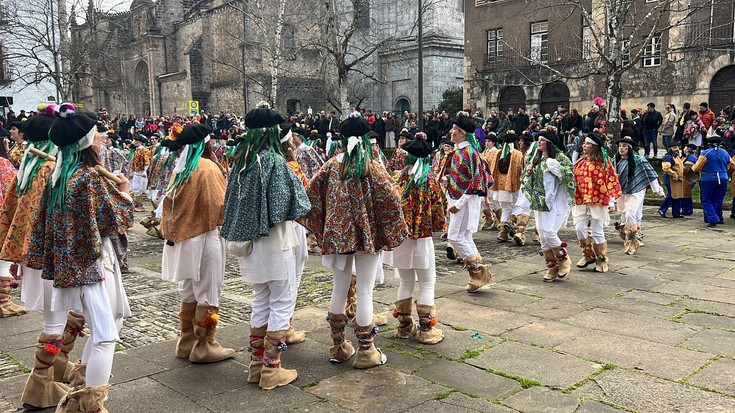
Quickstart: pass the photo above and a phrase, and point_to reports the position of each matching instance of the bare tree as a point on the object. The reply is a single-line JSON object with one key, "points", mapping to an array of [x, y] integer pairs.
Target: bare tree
{"points": [[618, 35], [351, 41]]}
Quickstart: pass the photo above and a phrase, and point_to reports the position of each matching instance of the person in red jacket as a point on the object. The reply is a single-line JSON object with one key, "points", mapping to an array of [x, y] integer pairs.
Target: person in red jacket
{"points": [[707, 116]]}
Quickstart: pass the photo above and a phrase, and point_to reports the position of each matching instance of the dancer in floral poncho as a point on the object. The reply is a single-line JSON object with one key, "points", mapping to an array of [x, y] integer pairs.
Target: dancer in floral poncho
{"points": [[549, 186]]}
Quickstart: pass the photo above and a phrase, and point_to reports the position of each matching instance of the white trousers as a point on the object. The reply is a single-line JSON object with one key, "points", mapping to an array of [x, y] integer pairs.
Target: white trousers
{"points": [[36, 293], [365, 266], [138, 184], [548, 225], [596, 227], [205, 252], [631, 209], [273, 304], [460, 230], [426, 279]]}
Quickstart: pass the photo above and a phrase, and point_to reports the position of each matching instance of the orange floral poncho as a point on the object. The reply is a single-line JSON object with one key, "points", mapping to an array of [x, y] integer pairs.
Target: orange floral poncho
{"points": [[595, 185]]}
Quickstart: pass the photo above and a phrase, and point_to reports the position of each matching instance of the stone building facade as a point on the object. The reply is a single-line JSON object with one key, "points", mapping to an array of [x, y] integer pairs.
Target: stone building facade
{"points": [[691, 62], [157, 56]]}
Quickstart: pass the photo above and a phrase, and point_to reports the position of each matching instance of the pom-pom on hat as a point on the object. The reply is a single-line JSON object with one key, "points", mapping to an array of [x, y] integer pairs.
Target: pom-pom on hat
{"points": [[354, 125], [466, 124], [314, 136], [193, 133], [36, 127], [418, 148], [263, 117], [71, 126], [492, 136]]}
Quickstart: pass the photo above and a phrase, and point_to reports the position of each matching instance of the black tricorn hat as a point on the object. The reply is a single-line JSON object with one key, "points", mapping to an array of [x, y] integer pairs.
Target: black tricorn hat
{"points": [[193, 133], [406, 134], [446, 141], [418, 148], [551, 137], [172, 145], [626, 140], [36, 127], [597, 138], [354, 125], [19, 125], [314, 136], [465, 123], [71, 127], [263, 117], [285, 129]]}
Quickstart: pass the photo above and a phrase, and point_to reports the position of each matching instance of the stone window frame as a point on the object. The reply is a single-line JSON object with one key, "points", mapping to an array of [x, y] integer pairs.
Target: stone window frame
{"points": [[497, 41], [539, 53], [652, 55]]}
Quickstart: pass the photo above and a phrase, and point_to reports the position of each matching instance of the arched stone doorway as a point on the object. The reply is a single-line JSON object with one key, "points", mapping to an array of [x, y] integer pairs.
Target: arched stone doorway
{"points": [[293, 106], [553, 95], [722, 89], [402, 105], [512, 97], [141, 90]]}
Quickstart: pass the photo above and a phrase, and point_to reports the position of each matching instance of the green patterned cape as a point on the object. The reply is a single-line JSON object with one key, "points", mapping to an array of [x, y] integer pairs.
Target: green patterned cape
{"points": [[533, 184]]}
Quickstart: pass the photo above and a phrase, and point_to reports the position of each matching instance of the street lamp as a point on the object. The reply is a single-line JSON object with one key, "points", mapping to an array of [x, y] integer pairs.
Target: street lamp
{"points": [[420, 113]]}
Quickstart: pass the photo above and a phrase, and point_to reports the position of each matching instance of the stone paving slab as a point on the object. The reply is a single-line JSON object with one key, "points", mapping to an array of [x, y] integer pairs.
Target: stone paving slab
{"points": [[528, 362], [635, 325], [484, 319], [644, 308], [540, 399], [546, 333], [643, 393], [657, 359], [128, 368], [374, 390], [592, 406], [649, 297], [556, 290], [554, 309], [713, 342], [719, 375], [468, 379], [501, 299], [252, 398], [699, 291], [713, 307], [455, 343], [709, 320], [146, 394], [200, 381], [457, 402]]}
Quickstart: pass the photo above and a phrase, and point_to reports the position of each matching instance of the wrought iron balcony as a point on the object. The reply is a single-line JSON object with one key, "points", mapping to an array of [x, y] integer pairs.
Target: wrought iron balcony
{"points": [[528, 57], [704, 35]]}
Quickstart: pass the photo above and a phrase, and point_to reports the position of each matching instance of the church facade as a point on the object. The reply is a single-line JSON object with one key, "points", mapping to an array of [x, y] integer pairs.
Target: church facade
{"points": [[156, 57]]}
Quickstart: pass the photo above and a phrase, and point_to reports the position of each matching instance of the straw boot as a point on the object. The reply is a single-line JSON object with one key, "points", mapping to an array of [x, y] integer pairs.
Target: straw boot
{"points": [[73, 329], [403, 313], [520, 236], [601, 259], [293, 336], [563, 260], [272, 375], [257, 336], [41, 391], [552, 266], [342, 349], [479, 273], [7, 307], [206, 349], [186, 339], [631, 241], [503, 235], [428, 333], [367, 355], [84, 399], [588, 254]]}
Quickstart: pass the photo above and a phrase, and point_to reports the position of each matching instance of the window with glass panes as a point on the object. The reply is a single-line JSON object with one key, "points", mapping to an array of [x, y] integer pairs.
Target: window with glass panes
{"points": [[540, 42], [494, 45], [652, 53]]}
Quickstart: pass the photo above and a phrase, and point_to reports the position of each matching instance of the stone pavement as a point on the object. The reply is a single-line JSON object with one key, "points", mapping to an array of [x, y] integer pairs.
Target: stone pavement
{"points": [[655, 334]]}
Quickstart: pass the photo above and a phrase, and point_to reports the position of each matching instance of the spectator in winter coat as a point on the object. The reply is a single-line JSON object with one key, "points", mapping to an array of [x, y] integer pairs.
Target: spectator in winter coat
{"points": [[728, 140], [706, 115]]}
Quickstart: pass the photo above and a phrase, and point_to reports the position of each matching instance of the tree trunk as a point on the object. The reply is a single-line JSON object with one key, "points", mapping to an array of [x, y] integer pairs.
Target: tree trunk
{"points": [[614, 93], [276, 55], [342, 94]]}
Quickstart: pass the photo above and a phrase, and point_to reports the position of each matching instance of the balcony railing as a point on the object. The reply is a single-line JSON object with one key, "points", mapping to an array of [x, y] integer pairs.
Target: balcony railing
{"points": [[520, 58], [704, 35]]}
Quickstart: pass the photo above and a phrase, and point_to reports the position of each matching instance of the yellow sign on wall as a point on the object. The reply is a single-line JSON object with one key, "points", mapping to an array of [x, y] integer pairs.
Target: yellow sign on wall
{"points": [[193, 107]]}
